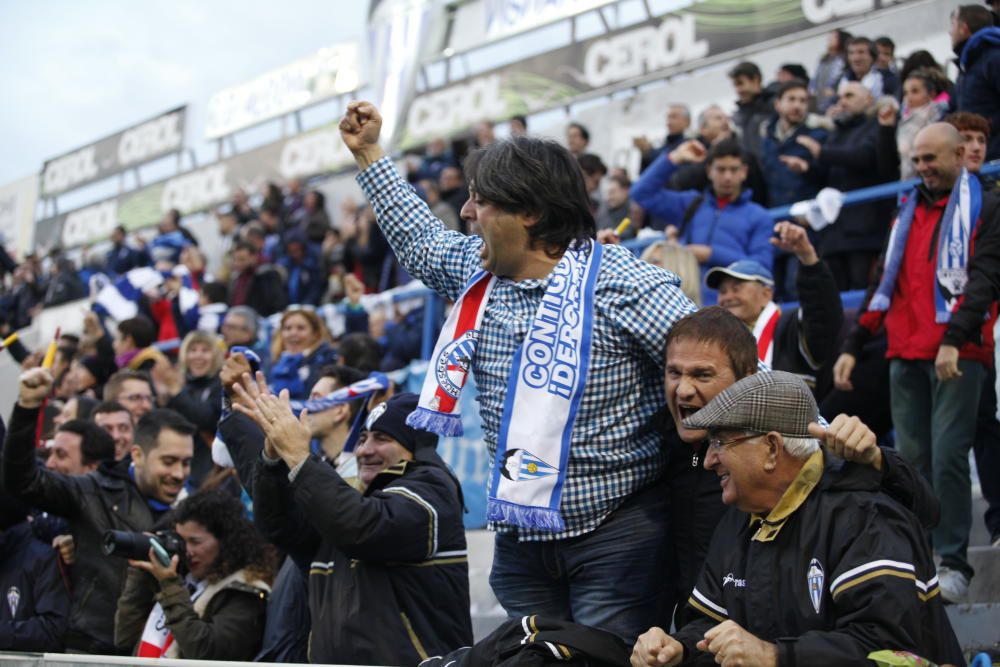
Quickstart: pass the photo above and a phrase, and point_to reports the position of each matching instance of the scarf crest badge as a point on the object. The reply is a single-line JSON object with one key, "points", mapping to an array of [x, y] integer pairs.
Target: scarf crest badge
{"points": [[544, 388]]}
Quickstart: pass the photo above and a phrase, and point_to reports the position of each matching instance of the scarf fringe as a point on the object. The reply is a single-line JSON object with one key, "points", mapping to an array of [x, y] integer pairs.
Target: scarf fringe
{"points": [[541, 518], [879, 303], [436, 422]]}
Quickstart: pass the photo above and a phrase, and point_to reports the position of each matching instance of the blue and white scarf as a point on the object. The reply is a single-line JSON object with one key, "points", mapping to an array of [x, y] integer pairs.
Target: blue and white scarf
{"points": [[362, 389], [958, 225], [544, 390]]}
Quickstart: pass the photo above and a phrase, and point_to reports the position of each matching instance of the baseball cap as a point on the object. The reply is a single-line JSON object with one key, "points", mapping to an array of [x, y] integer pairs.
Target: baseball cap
{"points": [[390, 418], [743, 269], [762, 402]]}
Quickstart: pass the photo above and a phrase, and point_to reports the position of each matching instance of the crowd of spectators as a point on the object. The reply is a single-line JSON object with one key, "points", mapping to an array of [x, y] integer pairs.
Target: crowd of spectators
{"points": [[233, 403]]}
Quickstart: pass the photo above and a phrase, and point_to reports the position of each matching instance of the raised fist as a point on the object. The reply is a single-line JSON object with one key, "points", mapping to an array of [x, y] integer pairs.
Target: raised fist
{"points": [[359, 128]]}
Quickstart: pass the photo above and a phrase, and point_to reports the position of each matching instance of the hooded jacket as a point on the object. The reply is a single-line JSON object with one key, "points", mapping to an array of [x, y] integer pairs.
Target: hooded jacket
{"points": [[836, 571], [740, 229], [978, 86], [106, 499], [388, 568]]}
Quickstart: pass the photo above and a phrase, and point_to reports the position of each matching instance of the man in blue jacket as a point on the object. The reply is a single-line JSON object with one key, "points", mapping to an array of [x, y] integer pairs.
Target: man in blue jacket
{"points": [[976, 41], [720, 225]]}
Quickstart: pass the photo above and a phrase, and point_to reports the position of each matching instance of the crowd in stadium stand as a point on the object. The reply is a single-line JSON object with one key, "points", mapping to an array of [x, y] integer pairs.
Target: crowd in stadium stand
{"points": [[236, 407]]}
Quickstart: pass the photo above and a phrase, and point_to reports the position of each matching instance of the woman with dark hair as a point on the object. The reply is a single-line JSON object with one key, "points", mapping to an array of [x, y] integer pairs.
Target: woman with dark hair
{"points": [[312, 218], [829, 69], [78, 407], [216, 610], [921, 59]]}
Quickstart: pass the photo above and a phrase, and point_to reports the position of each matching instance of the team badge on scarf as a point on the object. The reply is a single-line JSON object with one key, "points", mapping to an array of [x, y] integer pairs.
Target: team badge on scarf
{"points": [[544, 388]]}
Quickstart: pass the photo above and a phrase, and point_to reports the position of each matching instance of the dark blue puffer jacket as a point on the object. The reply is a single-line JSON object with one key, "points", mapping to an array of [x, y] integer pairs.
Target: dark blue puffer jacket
{"points": [[784, 186], [978, 87], [739, 230]]}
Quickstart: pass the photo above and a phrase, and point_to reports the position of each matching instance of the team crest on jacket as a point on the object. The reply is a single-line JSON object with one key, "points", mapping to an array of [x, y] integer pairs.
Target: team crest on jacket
{"points": [[453, 363], [13, 599], [815, 579], [520, 465]]}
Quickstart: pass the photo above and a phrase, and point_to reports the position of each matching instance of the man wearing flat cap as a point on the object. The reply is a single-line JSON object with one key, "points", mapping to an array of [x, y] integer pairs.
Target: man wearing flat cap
{"points": [[388, 568], [812, 565]]}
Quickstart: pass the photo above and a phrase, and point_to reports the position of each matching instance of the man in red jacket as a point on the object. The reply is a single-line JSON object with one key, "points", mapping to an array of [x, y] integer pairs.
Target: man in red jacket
{"points": [[935, 296]]}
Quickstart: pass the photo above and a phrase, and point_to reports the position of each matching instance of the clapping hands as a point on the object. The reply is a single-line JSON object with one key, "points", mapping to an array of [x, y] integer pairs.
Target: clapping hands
{"points": [[287, 436]]}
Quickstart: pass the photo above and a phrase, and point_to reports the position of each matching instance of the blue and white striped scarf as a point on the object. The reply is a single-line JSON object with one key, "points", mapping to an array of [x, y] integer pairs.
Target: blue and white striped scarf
{"points": [[362, 389], [958, 225]]}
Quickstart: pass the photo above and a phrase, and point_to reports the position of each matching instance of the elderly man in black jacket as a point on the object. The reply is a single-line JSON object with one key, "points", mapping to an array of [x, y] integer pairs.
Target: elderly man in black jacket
{"points": [[388, 567], [798, 340], [812, 564], [849, 160], [707, 352], [131, 495]]}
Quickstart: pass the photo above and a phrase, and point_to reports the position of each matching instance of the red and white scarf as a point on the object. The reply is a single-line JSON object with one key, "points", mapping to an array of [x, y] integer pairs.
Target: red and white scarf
{"points": [[764, 330], [157, 640], [438, 410]]}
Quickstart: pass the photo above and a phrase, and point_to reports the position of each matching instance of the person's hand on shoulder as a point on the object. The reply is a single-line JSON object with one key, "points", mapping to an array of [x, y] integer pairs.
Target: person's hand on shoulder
{"points": [[850, 439]]}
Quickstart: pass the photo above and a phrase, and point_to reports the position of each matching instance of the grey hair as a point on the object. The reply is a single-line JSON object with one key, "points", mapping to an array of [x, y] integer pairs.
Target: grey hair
{"points": [[703, 115], [248, 314], [682, 107], [801, 448]]}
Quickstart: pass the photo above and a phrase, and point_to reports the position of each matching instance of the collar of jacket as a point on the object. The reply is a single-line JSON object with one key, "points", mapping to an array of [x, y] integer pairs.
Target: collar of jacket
{"points": [[743, 198], [793, 497]]}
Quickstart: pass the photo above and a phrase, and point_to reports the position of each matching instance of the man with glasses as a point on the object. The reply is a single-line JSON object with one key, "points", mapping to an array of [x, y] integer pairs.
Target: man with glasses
{"points": [[707, 352], [813, 564], [133, 389]]}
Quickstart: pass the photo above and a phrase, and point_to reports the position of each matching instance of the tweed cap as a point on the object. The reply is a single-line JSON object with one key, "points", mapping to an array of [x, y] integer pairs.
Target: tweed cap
{"points": [[762, 402]]}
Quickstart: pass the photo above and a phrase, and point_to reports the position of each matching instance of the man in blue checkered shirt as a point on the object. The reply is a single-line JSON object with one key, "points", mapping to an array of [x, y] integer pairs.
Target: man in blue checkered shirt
{"points": [[606, 568]]}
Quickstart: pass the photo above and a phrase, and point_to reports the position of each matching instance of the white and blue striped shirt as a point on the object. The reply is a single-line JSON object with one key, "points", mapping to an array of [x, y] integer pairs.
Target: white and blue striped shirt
{"points": [[615, 452]]}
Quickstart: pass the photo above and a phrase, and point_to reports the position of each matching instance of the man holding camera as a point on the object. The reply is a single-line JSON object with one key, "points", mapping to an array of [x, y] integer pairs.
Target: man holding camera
{"points": [[131, 495]]}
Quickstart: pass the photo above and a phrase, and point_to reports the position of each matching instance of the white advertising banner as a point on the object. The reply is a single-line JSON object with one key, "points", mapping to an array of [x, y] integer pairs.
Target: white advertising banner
{"points": [[329, 72], [17, 212]]}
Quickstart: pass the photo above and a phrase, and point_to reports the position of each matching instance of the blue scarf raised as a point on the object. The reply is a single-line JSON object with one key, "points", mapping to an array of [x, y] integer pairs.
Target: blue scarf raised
{"points": [[958, 225]]}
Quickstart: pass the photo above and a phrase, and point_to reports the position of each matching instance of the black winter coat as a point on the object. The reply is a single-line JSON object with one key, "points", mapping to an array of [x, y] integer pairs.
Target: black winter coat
{"points": [[806, 337], [388, 569], [850, 160], [34, 612], [106, 499], [696, 506], [837, 570]]}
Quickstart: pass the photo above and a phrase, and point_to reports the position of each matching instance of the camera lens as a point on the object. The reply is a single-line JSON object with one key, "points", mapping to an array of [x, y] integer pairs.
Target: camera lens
{"points": [[126, 545]]}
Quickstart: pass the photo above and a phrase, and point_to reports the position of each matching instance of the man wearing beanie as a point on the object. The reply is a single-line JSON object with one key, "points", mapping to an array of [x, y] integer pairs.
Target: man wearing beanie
{"points": [[812, 565], [388, 567]]}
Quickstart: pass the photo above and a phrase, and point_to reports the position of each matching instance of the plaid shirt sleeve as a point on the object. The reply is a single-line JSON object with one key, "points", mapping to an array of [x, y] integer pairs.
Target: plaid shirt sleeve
{"points": [[441, 259]]}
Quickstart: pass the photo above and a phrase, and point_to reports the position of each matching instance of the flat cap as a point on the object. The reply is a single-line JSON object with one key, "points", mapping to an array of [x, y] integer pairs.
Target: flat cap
{"points": [[762, 402]]}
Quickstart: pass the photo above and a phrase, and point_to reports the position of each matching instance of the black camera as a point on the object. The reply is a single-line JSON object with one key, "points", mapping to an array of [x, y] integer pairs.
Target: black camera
{"points": [[137, 545]]}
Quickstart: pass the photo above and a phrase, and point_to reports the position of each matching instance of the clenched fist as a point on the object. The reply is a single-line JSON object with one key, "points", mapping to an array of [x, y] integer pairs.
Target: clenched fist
{"points": [[359, 128]]}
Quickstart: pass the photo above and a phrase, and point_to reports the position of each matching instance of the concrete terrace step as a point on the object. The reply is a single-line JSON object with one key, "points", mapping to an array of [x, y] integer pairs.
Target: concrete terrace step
{"points": [[976, 626], [985, 586]]}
